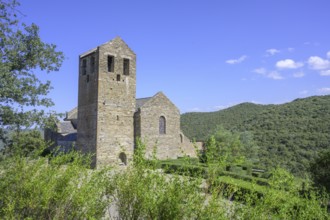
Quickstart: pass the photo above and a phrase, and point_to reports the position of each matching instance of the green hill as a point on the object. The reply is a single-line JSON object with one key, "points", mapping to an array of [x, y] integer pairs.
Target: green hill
{"points": [[289, 134]]}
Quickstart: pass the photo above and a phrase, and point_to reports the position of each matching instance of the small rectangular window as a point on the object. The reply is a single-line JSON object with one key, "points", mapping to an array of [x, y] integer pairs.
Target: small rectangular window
{"points": [[126, 67], [92, 64], [118, 77], [84, 66], [111, 63]]}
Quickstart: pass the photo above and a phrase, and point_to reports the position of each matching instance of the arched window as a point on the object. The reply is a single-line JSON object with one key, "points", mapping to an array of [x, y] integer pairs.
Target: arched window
{"points": [[181, 138], [123, 158], [162, 125]]}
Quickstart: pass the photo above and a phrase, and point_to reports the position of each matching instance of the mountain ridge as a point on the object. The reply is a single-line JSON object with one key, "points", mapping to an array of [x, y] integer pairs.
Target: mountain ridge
{"points": [[289, 134]]}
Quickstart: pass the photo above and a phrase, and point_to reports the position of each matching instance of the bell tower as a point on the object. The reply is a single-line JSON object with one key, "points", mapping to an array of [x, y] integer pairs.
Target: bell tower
{"points": [[106, 103]]}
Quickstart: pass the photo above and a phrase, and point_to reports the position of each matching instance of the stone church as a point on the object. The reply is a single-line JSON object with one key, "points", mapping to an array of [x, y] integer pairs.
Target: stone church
{"points": [[109, 118]]}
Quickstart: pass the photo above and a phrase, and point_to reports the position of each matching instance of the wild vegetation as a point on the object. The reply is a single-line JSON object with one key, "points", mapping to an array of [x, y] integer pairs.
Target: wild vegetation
{"points": [[63, 187], [218, 185], [22, 53], [288, 135]]}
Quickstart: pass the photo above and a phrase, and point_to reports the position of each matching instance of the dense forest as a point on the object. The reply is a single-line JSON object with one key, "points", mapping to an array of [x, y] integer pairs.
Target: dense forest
{"points": [[289, 135]]}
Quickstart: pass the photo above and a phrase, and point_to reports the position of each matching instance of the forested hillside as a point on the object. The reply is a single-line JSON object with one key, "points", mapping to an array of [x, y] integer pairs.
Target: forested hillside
{"points": [[289, 134]]}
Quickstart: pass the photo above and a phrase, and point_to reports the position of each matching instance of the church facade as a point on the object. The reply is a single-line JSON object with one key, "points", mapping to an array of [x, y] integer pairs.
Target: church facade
{"points": [[109, 119]]}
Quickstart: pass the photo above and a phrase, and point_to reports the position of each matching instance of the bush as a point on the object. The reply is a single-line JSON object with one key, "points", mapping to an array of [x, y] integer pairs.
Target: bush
{"points": [[63, 188], [141, 192]]}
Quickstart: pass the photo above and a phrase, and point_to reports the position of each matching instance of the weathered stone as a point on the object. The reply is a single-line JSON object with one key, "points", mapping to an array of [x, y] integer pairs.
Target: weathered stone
{"points": [[110, 118]]}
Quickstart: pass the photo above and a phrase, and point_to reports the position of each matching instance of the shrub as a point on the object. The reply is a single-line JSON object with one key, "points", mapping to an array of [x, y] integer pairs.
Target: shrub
{"points": [[63, 188]]}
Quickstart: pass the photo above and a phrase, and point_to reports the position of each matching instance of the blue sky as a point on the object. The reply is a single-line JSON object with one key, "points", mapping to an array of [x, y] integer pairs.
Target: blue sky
{"points": [[204, 55]]}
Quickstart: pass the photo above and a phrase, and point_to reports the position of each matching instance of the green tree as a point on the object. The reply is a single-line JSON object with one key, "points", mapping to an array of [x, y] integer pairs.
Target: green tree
{"points": [[22, 53], [27, 143], [320, 170], [281, 179], [250, 148], [224, 146]]}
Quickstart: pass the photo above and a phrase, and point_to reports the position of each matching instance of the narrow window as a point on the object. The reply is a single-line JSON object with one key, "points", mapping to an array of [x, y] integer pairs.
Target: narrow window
{"points": [[87, 78], [117, 117], [181, 138], [111, 63], [162, 125], [92, 64], [126, 67], [118, 77], [84, 66]]}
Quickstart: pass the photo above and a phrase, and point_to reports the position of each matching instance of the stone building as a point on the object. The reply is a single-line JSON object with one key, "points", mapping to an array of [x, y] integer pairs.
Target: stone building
{"points": [[109, 118]]}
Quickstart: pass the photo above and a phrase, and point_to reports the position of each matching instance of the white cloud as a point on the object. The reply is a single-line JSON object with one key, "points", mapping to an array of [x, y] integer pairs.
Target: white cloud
{"points": [[260, 70], [288, 64], [236, 61], [298, 74], [328, 54], [324, 90], [275, 75], [318, 63], [325, 73], [272, 74], [271, 52]]}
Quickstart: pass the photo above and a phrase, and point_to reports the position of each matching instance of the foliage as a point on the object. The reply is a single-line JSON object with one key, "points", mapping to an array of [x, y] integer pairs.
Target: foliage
{"points": [[200, 125], [320, 170], [141, 192], [63, 187], [224, 147], [288, 135], [281, 179], [26, 143], [279, 204], [60, 188], [279, 198], [260, 202], [22, 52]]}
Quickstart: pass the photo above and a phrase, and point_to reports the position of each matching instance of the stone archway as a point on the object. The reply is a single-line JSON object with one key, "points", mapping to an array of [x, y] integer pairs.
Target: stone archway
{"points": [[123, 158]]}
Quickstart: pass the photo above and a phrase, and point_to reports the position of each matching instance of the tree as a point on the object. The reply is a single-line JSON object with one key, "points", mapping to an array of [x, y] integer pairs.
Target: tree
{"points": [[22, 52], [320, 170], [250, 148], [27, 143], [224, 146]]}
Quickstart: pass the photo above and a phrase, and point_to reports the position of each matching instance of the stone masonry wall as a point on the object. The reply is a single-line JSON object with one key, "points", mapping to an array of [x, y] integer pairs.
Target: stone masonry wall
{"points": [[107, 121], [87, 103], [116, 104], [168, 145]]}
